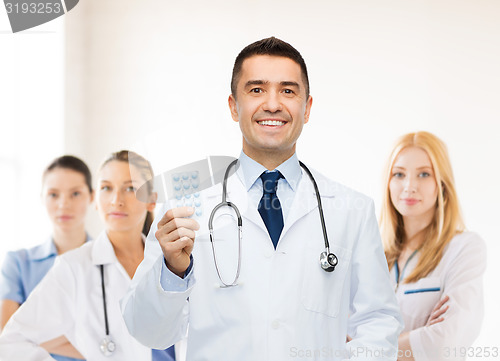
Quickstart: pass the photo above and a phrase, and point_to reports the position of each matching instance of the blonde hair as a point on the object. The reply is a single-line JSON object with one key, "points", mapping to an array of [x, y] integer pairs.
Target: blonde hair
{"points": [[447, 221]]}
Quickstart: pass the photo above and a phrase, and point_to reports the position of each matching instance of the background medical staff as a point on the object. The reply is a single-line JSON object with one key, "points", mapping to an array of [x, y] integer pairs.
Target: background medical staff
{"points": [[436, 267], [66, 193], [69, 301], [285, 305]]}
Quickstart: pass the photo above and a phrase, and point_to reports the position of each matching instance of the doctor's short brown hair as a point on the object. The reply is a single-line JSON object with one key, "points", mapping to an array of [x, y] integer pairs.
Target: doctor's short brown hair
{"points": [[269, 46]]}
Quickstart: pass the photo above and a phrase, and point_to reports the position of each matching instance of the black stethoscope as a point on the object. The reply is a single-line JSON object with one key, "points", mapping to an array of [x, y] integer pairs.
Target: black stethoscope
{"points": [[107, 345], [327, 259]]}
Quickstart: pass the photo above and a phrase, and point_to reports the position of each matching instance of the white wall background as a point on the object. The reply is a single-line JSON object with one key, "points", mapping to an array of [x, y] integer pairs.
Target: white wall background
{"points": [[31, 126], [154, 76]]}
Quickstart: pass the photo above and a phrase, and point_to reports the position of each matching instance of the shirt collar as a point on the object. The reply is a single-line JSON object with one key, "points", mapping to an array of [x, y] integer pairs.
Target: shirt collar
{"points": [[46, 250], [251, 171], [43, 251]]}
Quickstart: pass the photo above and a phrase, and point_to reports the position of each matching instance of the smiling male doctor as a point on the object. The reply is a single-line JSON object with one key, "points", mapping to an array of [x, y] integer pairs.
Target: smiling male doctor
{"points": [[285, 305]]}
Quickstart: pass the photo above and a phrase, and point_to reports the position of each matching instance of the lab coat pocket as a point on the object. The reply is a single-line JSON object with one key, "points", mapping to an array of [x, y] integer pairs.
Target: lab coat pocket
{"points": [[422, 290], [322, 291]]}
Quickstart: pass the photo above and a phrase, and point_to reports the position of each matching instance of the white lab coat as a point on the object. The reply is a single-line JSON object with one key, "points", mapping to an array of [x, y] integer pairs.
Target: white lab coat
{"points": [[458, 275], [68, 301], [286, 306]]}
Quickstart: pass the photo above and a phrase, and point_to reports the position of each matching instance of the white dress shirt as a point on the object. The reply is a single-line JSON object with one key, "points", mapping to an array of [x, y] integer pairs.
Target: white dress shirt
{"points": [[458, 275], [285, 306], [69, 302]]}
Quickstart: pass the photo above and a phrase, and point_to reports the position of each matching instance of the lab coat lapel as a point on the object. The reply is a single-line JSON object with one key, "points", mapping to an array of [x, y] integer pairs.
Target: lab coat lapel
{"points": [[303, 203], [102, 250], [305, 200], [239, 195]]}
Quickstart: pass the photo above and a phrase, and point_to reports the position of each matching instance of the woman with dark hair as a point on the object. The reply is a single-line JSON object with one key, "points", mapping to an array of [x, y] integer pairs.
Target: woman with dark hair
{"points": [[66, 193], [79, 297]]}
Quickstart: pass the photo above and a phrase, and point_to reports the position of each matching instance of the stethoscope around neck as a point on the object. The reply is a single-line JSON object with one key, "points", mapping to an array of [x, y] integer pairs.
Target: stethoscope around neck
{"points": [[328, 261], [107, 345]]}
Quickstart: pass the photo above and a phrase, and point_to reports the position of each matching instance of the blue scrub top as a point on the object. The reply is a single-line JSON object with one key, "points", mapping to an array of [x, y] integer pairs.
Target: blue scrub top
{"points": [[22, 270]]}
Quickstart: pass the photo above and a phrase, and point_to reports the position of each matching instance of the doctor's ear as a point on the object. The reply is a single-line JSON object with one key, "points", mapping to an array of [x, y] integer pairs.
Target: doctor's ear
{"points": [[233, 107], [308, 109]]}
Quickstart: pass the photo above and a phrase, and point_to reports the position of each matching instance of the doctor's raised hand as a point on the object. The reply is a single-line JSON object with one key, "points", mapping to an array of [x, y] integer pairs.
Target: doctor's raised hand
{"points": [[176, 234], [436, 267]]}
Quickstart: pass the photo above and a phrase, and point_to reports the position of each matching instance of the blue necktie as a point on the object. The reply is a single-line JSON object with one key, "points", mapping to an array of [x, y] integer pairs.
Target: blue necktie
{"points": [[270, 206], [164, 355]]}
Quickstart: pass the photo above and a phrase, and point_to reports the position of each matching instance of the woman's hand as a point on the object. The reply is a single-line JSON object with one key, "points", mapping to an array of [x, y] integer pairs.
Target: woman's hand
{"points": [[438, 311]]}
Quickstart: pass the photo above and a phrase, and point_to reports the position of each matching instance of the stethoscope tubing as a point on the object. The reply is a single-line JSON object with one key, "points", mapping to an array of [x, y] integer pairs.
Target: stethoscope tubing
{"points": [[328, 260], [107, 345], [320, 207], [106, 323]]}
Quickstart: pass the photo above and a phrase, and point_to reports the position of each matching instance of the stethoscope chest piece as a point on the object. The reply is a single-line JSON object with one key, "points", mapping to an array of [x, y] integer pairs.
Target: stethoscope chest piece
{"points": [[107, 346], [328, 261]]}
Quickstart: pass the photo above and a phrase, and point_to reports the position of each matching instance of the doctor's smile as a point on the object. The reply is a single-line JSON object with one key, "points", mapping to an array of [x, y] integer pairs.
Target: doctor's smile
{"points": [[271, 122], [271, 103]]}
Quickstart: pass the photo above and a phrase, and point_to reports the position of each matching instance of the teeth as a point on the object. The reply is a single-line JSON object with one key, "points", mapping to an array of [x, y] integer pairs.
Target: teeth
{"points": [[271, 122]]}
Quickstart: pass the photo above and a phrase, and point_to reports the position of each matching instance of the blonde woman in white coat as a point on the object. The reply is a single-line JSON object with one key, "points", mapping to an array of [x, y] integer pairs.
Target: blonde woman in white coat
{"points": [[435, 266]]}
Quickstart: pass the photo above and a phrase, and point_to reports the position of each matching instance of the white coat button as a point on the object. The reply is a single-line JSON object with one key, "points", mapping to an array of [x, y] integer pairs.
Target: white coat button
{"points": [[269, 253], [275, 324]]}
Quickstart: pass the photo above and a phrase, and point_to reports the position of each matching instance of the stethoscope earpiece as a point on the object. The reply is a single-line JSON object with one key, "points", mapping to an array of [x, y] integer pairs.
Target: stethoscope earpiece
{"points": [[328, 261]]}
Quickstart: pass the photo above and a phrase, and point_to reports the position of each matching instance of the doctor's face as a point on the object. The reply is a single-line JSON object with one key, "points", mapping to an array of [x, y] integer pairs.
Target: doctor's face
{"points": [[66, 197], [270, 105], [413, 185], [117, 204]]}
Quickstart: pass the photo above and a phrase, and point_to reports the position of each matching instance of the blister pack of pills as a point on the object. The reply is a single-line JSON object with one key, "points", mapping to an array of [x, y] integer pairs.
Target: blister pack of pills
{"points": [[186, 187], [183, 186]]}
